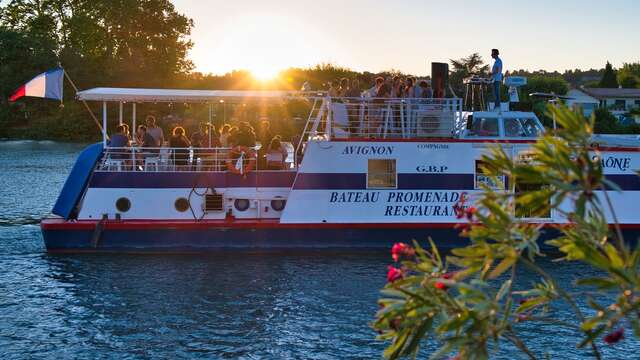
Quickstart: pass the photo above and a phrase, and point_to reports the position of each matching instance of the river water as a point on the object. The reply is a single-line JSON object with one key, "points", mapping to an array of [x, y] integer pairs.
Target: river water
{"points": [[250, 306]]}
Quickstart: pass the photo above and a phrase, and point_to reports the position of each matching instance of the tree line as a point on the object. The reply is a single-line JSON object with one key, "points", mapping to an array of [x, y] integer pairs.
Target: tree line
{"points": [[145, 43]]}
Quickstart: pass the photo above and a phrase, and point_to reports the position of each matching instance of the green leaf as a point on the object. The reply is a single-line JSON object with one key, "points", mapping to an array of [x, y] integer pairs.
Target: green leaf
{"points": [[614, 257], [600, 283], [503, 266], [504, 290]]}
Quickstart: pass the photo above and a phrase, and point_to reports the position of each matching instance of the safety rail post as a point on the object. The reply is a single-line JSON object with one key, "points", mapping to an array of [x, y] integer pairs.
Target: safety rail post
{"points": [[120, 106], [328, 124], [104, 124]]}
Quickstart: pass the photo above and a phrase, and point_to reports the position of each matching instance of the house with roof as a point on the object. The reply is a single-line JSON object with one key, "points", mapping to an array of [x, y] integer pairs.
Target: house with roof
{"points": [[578, 99], [617, 100]]}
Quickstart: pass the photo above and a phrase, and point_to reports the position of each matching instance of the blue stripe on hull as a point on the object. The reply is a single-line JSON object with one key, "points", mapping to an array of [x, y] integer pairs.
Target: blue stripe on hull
{"points": [[220, 239], [160, 180], [305, 181]]}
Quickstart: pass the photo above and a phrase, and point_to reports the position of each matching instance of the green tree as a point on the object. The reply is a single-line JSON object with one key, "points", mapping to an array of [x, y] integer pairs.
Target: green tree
{"points": [[140, 43], [629, 75], [464, 68], [467, 303], [605, 122], [608, 78], [628, 81], [545, 84], [128, 43]]}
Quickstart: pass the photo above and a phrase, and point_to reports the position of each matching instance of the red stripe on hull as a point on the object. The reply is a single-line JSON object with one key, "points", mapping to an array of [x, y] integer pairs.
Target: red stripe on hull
{"points": [[60, 224], [482, 141]]}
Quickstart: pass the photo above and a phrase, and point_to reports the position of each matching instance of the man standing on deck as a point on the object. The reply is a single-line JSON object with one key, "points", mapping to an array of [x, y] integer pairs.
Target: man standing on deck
{"points": [[496, 75]]}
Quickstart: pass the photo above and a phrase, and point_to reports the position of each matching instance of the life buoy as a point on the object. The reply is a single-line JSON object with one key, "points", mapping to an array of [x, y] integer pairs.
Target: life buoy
{"points": [[249, 160]]}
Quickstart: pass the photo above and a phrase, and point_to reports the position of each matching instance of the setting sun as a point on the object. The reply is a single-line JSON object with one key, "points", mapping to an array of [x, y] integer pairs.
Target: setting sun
{"points": [[265, 71], [264, 45]]}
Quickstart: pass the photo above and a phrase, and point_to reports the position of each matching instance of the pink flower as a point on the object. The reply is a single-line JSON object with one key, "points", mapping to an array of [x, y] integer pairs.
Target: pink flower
{"points": [[470, 212], [394, 274], [458, 209], [615, 336], [441, 286], [400, 250], [448, 275]]}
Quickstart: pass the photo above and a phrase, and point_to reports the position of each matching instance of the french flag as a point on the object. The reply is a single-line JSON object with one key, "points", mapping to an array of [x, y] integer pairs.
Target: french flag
{"points": [[46, 85]]}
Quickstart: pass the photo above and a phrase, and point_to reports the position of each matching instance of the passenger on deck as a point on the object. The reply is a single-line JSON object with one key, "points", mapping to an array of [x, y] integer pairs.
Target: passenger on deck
{"points": [[409, 88], [245, 136], [354, 89], [120, 138], [147, 146], [425, 90], [276, 155], [374, 89], [224, 135], [496, 75], [181, 154], [155, 131], [120, 141], [201, 138], [127, 131], [397, 87], [332, 89], [376, 112], [384, 89], [232, 139], [204, 141], [353, 93], [264, 136], [145, 140], [344, 87]]}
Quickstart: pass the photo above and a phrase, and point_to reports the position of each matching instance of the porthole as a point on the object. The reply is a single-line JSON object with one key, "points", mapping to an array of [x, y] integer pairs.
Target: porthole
{"points": [[278, 204], [123, 204], [241, 204], [181, 204]]}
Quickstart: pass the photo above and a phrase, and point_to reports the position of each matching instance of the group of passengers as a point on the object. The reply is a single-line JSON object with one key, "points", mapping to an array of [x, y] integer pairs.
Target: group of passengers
{"points": [[211, 148], [389, 87]]}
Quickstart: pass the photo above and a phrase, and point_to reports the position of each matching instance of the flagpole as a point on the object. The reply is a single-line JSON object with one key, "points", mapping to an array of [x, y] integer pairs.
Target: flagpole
{"points": [[93, 116]]}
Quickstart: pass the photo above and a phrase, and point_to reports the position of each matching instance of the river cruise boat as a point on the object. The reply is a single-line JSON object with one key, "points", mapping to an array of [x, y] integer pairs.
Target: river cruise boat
{"points": [[363, 173]]}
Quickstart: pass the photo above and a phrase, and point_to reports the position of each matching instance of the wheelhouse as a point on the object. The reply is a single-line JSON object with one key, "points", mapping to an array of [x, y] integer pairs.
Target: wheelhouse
{"points": [[502, 125]]}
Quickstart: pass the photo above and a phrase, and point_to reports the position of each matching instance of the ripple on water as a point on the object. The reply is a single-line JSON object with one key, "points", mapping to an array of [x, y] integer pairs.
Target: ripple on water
{"points": [[235, 307]]}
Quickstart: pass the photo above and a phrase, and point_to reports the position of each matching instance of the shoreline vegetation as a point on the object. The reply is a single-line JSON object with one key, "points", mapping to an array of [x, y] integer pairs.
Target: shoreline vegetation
{"points": [[105, 43]]}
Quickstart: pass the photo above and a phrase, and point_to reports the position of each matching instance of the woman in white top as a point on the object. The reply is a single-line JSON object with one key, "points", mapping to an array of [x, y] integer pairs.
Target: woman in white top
{"points": [[276, 155]]}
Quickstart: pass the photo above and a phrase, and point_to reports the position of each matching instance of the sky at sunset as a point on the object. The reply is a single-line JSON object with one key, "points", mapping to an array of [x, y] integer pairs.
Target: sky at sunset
{"points": [[266, 36]]}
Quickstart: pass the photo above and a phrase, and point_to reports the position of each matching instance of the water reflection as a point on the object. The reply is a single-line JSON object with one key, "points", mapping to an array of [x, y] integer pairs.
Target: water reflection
{"points": [[288, 305]]}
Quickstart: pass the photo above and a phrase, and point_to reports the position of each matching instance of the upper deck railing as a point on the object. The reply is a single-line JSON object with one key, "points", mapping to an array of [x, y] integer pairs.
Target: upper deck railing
{"points": [[171, 159], [384, 118]]}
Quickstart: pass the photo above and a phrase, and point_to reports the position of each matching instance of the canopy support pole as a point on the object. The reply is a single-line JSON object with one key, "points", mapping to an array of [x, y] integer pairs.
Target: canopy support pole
{"points": [[133, 121], [209, 125], [104, 124], [120, 113]]}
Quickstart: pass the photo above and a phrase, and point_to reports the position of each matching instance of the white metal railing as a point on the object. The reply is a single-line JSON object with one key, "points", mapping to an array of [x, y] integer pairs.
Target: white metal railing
{"points": [[404, 118], [168, 159]]}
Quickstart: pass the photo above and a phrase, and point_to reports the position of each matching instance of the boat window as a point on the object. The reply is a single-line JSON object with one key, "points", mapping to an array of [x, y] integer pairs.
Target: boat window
{"points": [[482, 177], [530, 128], [484, 127], [513, 128], [381, 173]]}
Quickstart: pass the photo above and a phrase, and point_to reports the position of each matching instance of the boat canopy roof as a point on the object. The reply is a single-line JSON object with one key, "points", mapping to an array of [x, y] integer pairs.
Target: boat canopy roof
{"points": [[178, 95]]}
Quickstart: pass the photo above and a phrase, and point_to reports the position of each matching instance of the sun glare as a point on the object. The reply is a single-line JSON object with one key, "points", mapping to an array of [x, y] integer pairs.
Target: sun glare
{"points": [[265, 72], [265, 44]]}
